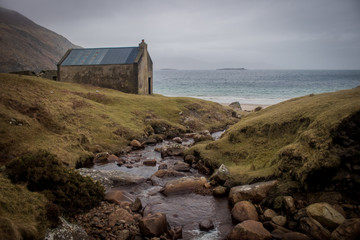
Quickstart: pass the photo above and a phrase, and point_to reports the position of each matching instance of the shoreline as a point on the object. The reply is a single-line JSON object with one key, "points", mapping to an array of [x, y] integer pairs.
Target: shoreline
{"points": [[249, 106]]}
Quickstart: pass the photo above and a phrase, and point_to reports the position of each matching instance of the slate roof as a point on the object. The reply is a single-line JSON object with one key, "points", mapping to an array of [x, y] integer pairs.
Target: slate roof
{"points": [[100, 56]]}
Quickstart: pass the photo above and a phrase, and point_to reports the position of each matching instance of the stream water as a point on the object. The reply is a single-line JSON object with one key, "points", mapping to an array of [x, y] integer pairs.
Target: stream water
{"points": [[186, 210]]}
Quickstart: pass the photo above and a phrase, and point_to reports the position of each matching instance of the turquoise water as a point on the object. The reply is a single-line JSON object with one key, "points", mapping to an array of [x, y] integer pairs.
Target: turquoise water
{"points": [[252, 86]]}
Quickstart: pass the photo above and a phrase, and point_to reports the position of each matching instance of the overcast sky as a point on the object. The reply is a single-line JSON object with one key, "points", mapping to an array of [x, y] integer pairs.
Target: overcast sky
{"points": [[208, 34]]}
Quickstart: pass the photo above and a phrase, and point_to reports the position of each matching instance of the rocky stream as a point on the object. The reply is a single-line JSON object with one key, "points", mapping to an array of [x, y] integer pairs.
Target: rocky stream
{"points": [[153, 192]]}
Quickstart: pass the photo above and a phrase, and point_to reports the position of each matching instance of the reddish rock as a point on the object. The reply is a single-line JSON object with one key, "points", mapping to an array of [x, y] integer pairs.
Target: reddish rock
{"points": [[120, 215], [184, 185], [255, 192], [244, 210], [349, 230], [149, 162], [117, 196], [181, 166], [136, 144], [289, 235], [219, 191], [249, 230], [167, 173], [153, 225], [113, 158]]}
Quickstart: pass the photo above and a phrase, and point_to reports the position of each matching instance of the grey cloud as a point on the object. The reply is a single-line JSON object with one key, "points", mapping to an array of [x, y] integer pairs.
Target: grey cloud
{"points": [[210, 33]]}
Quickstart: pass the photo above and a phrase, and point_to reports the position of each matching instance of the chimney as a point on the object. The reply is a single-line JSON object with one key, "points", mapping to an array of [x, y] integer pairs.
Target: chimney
{"points": [[143, 45]]}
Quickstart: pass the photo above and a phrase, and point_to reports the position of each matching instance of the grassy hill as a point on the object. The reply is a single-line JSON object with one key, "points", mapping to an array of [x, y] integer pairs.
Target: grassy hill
{"points": [[313, 140], [24, 45], [73, 120]]}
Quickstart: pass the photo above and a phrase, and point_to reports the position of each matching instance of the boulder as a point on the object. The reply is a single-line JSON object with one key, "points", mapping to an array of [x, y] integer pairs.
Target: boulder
{"points": [[111, 178], [269, 214], [101, 157], [249, 230], [136, 144], [349, 230], [172, 150], [177, 139], [313, 228], [156, 181], [235, 105], [221, 175], [325, 214], [206, 225], [255, 192], [219, 191], [118, 215], [162, 173], [118, 196], [150, 141], [183, 185], [289, 235], [244, 210], [113, 158], [181, 166], [279, 220], [153, 225], [151, 162], [338, 208]]}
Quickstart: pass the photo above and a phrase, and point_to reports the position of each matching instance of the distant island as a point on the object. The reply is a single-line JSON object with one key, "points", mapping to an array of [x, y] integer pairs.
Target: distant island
{"points": [[168, 69], [231, 69]]}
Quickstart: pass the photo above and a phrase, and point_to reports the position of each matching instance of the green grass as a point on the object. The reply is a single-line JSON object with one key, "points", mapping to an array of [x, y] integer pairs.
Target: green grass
{"points": [[73, 120], [295, 138]]}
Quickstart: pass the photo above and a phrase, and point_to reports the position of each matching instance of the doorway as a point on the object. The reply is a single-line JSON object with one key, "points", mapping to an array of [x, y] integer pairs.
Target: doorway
{"points": [[149, 85]]}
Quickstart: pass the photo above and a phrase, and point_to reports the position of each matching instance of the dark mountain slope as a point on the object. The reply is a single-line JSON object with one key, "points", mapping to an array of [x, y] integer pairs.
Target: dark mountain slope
{"points": [[24, 45]]}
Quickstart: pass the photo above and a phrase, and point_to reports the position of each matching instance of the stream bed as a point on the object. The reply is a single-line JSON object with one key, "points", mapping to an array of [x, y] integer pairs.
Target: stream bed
{"points": [[186, 209]]}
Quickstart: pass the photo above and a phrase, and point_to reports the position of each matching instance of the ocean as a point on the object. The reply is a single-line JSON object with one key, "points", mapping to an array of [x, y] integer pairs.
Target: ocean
{"points": [[263, 87]]}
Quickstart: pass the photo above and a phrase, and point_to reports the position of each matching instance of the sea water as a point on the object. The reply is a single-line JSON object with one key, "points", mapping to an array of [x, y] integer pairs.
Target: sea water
{"points": [[252, 86]]}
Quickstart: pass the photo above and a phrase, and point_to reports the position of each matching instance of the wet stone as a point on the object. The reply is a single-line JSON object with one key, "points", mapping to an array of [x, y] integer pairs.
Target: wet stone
{"points": [[206, 225], [219, 191], [279, 220], [149, 162], [244, 210], [181, 166]]}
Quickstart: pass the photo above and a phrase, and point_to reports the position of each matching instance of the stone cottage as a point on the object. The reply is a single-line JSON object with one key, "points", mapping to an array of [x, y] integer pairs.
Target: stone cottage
{"points": [[128, 69]]}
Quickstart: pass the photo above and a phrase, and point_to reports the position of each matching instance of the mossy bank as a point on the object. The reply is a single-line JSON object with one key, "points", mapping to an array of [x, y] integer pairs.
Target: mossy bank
{"points": [[74, 121], [312, 140]]}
